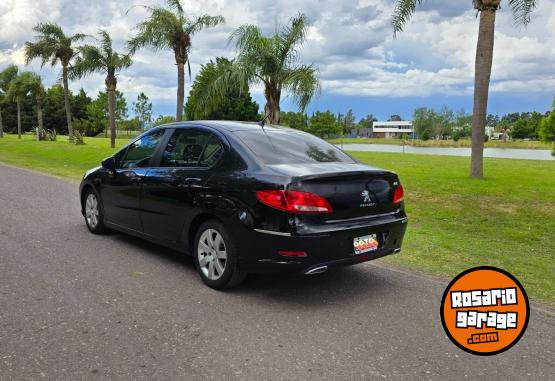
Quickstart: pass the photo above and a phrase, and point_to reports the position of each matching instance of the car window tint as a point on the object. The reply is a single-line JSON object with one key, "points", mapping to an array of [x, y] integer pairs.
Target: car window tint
{"points": [[212, 153], [289, 146], [140, 152], [185, 148]]}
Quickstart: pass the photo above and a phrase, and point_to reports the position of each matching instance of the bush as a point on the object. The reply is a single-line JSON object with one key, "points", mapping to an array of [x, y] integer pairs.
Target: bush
{"points": [[86, 127], [425, 135], [44, 134], [486, 138], [77, 138]]}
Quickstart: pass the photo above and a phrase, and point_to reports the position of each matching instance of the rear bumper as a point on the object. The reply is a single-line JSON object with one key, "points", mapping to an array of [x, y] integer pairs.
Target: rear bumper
{"points": [[259, 249]]}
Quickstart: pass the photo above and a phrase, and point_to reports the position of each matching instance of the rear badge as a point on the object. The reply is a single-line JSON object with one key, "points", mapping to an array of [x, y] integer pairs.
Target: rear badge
{"points": [[365, 244], [366, 199]]}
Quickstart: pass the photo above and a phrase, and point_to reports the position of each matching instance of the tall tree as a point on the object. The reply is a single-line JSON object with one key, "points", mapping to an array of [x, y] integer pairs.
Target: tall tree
{"points": [[103, 59], [324, 123], [487, 9], [6, 77], [53, 45], [236, 105], [36, 89], [348, 122], [271, 61], [169, 28], [143, 109], [19, 88]]}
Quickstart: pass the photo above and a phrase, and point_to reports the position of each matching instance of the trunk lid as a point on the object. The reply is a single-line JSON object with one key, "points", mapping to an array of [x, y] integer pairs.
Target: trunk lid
{"points": [[353, 190]]}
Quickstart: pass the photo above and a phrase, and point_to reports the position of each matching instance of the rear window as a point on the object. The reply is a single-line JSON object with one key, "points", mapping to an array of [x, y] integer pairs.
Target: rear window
{"points": [[290, 146]]}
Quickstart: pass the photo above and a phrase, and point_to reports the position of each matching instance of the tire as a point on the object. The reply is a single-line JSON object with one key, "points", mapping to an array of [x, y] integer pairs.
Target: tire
{"points": [[94, 216], [215, 256]]}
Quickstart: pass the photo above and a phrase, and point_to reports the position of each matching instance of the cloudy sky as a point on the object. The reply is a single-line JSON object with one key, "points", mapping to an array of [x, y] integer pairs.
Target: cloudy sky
{"points": [[351, 42]]}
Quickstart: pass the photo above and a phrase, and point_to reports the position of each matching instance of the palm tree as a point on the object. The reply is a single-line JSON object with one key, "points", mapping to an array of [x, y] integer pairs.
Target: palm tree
{"points": [[484, 56], [103, 59], [169, 28], [273, 62], [6, 77], [52, 45], [34, 83], [19, 89]]}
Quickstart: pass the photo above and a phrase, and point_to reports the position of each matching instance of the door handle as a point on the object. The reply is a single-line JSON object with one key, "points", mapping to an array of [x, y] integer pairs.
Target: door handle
{"points": [[192, 180]]}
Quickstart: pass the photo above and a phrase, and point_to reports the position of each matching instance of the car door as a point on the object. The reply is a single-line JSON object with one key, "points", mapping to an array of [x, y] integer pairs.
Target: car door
{"points": [[170, 190], [121, 188]]}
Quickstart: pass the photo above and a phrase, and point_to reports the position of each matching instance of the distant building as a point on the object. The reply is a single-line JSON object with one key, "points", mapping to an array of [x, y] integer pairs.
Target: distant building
{"points": [[392, 129]]}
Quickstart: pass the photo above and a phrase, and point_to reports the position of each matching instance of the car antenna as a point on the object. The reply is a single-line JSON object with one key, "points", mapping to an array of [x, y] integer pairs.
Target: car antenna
{"points": [[262, 122]]}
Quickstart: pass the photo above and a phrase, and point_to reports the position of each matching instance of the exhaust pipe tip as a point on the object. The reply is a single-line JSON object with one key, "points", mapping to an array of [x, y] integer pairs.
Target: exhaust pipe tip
{"points": [[395, 251], [316, 270]]}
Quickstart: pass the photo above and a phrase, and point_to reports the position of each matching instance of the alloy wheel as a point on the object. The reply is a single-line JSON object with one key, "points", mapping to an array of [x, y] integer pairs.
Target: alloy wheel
{"points": [[212, 254], [91, 210]]}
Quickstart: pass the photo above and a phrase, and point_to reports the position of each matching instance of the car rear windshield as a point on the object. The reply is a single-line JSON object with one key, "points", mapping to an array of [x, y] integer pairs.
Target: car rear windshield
{"points": [[285, 146]]}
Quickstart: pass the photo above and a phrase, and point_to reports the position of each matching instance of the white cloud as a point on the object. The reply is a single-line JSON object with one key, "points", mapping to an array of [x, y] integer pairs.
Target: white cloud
{"points": [[351, 43]]}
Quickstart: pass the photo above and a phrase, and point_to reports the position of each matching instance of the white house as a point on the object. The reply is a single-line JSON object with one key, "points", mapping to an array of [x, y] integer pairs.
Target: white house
{"points": [[392, 129]]}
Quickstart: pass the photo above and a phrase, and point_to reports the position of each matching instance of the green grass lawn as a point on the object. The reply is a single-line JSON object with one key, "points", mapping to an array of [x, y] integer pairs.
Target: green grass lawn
{"points": [[58, 158], [445, 143], [506, 220]]}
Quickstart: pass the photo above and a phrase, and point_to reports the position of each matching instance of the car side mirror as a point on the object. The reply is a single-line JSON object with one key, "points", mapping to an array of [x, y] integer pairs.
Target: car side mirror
{"points": [[109, 164]]}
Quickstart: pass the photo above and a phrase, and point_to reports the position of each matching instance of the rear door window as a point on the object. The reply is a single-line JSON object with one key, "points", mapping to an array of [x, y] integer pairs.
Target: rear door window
{"points": [[191, 148], [283, 146]]}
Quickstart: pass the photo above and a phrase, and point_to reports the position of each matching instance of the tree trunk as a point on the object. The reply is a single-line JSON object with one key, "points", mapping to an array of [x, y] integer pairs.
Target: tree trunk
{"points": [[272, 106], [1, 126], [39, 118], [112, 115], [484, 58], [18, 118], [66, 102], [180, 90]]}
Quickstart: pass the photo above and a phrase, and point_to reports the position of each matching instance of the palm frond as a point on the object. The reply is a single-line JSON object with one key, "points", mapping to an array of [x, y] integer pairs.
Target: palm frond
{"points": [[521, 10], [302, 83], [6, 77], [246, 36], [101, 58], [157, 31], [291, 36], [105, 42], [175, 5], [50, 29], [44, 49], [91, 60], [402, 13], [77, 37], [202, 22]]}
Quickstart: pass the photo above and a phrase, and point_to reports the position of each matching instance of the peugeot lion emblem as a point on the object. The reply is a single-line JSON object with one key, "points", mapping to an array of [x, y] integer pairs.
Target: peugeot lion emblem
{"points": [[366, 197]]}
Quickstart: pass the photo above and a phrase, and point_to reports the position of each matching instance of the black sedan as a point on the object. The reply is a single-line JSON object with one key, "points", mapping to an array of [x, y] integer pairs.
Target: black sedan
{"points": [[242, 198]]}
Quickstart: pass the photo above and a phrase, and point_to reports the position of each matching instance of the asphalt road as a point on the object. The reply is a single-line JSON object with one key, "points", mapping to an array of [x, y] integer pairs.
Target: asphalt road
{"points": [[78, 306]]}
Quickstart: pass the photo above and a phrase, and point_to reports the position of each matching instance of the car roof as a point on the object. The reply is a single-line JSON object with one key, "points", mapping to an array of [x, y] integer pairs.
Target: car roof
{"points": [[224, 125]]}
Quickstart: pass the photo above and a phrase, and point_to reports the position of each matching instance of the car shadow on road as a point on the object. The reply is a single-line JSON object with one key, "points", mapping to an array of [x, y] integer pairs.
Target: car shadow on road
{"points": [[335, 286]]}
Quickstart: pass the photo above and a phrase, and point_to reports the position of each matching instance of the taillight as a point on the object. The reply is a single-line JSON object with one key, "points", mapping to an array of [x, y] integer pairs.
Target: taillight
{"points": [[294, 201], [399, 194]]}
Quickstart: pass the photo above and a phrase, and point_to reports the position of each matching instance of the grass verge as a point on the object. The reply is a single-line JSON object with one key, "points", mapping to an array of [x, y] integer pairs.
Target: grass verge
{"points": [[506, 220]]}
